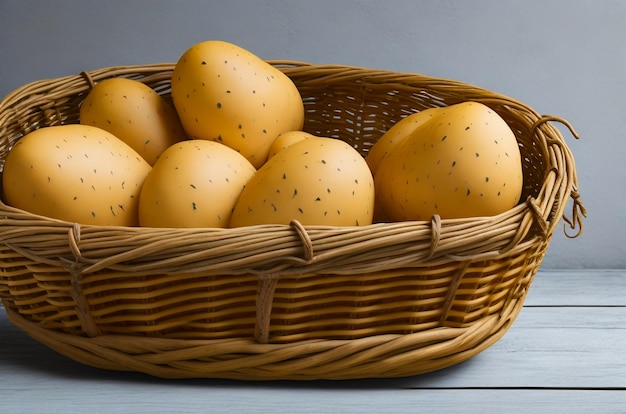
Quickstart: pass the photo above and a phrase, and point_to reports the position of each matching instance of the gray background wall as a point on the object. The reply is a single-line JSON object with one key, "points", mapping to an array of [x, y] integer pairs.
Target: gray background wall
{"points": [[562, 57]]}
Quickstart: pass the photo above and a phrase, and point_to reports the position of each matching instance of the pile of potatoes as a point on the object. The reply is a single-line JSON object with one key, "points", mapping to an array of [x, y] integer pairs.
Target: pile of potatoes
{"points": [[231, 152]]}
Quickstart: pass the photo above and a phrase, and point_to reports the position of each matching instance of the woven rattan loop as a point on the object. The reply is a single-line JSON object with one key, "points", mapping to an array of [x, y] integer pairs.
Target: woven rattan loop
{"points": [[88, 79], [536, 211], [306, 240], [73, 235], [578, 212], [75, 269], [435, 222], [264, 301]]}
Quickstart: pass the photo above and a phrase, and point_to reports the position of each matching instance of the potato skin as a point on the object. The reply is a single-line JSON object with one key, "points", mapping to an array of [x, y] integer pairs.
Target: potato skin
{"points": [[135, 113], [76, 173], [225, 93], [317, 181], [195, 183], [463, 162]]}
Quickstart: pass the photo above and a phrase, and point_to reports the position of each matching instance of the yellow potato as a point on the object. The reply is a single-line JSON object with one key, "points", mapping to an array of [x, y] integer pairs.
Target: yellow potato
{"points": [[396, 134], [318, 180], [225, 93], [77, 173], [135, 113], [194, 183], [463, 162], [286, 139]]}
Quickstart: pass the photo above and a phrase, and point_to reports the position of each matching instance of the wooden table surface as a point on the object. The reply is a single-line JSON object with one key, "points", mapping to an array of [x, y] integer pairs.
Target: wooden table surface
{"points": [[566, 353]]}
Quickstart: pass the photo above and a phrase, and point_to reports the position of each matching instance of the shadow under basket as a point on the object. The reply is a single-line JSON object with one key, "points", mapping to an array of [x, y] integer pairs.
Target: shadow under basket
{"points": [[286, 301]]}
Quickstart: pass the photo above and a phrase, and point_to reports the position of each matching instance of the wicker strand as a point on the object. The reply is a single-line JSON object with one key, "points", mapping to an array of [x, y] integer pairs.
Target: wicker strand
{"points": [[537, 214], [88, 79], [452, 289], [578, 209], [548, 118], [306, 240], [264, 302], [576, 221], [74, 239], [75, 269], [436, 235], [89, 326]]}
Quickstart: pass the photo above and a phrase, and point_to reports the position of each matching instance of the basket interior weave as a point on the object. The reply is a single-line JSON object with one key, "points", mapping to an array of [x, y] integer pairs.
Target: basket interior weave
{"points": [[286, 284]]}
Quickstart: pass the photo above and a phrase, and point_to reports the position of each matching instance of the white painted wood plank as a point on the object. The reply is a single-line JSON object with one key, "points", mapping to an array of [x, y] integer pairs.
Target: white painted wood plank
{"points": [[548, 348], [578, 288], [96, 397]]}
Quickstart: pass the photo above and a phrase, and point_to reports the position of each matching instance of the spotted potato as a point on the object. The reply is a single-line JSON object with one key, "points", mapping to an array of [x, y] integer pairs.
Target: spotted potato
{"points": [[135, 113], [77, 173], [225, 93], [194, 183], [322, 181], [463, 162]]}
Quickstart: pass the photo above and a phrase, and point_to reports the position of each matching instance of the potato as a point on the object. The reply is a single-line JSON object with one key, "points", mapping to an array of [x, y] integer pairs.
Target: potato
{"points": [[318, 180], [135, 113], [77, 173], [463, 162], [286, 139], [396, 134], [194, 183], [225, 93]]}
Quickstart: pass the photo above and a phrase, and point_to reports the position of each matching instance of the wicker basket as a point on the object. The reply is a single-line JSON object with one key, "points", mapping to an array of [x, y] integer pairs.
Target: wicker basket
{"points": [[285, 301]]}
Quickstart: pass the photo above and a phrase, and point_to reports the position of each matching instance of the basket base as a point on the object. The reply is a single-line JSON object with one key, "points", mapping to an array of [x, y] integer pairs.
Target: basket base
{"points": [[381, 356]]}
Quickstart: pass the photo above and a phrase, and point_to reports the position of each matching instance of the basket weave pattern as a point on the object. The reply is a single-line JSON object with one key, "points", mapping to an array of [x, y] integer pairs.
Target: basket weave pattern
{"points": [[285, 301]]}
